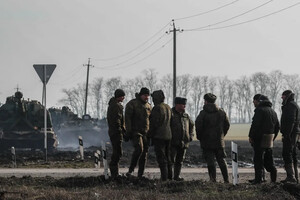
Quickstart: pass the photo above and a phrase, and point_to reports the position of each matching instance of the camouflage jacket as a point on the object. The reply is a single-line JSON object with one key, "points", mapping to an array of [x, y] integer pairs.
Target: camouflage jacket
{"points": [[137, 115], [182, 129], [212, 125], [160, 122], [115, 119]]}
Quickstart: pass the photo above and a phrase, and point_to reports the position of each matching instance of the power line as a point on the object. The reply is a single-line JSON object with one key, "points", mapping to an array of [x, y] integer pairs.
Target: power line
{"points": [[209, 11], [70, 76], [138, 61], [231, 18], [139, 46], [136, 55], [248, 21]]}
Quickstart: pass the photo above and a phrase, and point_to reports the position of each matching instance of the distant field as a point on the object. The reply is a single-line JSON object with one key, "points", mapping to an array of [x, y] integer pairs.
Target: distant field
{"points": [[240, 132]]}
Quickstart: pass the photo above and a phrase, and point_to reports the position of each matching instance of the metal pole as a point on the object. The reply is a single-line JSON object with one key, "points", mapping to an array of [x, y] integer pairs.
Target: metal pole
{"points": [[45, 113], [174, 63], [86, 88]]}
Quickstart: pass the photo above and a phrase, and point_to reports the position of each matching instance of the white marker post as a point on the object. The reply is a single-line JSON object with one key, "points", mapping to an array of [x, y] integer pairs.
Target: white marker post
{"points": [[13, 156], [104, 161], [98, 154], [81, 147], [96, 160], [234, 156]]}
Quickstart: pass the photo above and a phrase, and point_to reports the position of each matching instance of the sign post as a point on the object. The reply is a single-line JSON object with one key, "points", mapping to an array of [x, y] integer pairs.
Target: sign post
{"points": [[234, 156], [44, 72]]}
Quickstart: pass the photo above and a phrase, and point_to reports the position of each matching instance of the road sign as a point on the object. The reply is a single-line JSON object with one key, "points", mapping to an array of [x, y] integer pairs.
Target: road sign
{"points": [[45, 71], [40, 71]]}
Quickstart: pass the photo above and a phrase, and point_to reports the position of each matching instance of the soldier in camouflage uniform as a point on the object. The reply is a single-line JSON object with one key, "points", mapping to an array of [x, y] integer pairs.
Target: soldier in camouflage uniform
{"points": [[290, 129], [116, 126], [137, 114], [182, 133], [160, 131], [211, 126]]}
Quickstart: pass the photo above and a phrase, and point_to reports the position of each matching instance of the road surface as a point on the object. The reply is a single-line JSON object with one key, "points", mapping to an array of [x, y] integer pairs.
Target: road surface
{"points": [[153, 173]]}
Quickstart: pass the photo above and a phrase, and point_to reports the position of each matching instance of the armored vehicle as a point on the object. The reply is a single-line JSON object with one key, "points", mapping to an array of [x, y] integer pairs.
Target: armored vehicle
{"points": [[69, 127], [22, 124]]}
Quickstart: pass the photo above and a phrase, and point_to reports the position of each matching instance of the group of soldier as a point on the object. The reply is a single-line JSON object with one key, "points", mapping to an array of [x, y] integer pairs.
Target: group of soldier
{"points": [[170, 130]]}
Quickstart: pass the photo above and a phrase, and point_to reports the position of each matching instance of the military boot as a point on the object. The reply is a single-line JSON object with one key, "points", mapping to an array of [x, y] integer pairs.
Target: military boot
{"points": [[289, 174], [273, 175], [212, 173], [164, 172], [114, 171], [170, 172], [177, 170], [258, 176], [142, 163], [224, 171]]}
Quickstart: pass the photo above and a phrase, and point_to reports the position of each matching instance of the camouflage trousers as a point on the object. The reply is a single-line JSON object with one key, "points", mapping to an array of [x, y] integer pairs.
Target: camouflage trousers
{"points": [[139, 155], [115, 157]]}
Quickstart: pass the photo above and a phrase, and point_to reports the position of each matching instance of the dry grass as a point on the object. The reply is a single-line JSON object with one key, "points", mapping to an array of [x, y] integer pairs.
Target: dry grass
{"points": [[132, 188]]}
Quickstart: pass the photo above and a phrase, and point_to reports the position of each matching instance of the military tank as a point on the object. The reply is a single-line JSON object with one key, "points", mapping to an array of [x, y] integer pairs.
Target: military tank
{"points": [[69, 127], [22, 124]]}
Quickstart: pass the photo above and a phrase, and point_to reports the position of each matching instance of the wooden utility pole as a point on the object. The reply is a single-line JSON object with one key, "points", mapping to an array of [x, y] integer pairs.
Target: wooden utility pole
{"points": [[87, 84], [174, 59]]}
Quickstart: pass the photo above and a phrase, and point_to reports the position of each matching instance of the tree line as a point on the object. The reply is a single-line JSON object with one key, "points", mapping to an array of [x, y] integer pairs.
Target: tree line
{"points": [[234, 96]]}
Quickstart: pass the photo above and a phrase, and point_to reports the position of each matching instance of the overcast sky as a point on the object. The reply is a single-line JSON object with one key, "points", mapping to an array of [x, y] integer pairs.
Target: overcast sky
{"points": [[68, 32]]}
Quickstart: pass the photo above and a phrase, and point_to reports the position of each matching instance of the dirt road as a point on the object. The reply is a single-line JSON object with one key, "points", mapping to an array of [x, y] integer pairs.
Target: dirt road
{"points": [[152, 173]]}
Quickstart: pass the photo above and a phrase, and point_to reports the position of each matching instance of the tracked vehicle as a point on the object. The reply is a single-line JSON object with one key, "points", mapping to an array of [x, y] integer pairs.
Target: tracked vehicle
{"points": [[69, 126], [22, 125]]}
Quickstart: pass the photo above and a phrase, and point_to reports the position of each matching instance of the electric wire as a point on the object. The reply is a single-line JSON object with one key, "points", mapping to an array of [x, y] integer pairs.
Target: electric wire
{"points": [[131, 58], [70, 77], [139, 46], [231, 18], [138, 61], [209, 11], [248, 21]]}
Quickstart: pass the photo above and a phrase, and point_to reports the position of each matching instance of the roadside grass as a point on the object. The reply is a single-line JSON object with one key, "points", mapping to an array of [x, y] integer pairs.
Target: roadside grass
{"points": [[132, 188]]}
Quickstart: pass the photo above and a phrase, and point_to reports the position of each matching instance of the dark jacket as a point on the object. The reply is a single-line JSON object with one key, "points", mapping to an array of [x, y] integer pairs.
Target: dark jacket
{"points": [[211, 126], [160, 122], [182, 129], [115, 119], [137, 115], [264, 121], [290, 118]]}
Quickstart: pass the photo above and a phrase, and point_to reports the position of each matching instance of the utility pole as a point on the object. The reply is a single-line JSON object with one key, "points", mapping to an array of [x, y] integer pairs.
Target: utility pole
{"points": [[174, 59], [87, 84]]}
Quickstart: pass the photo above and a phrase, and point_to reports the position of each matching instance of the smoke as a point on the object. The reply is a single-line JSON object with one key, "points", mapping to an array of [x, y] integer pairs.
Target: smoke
{"points": [[91, 136]]}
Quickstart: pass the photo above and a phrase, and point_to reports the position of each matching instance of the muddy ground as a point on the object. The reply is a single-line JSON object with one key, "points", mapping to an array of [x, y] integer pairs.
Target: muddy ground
{"points": [[97, 187], [70, 158]]}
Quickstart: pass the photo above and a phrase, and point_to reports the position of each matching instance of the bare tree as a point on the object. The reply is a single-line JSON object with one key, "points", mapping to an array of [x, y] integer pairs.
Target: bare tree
{"points": [[275, 82], [230, 100], [96, 90], [150, 79], [293, 83], [75, 98], [166, 84], [196, 93], [222, 85], [183, 85], [110, 86], [260, 82]]}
